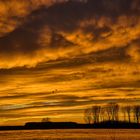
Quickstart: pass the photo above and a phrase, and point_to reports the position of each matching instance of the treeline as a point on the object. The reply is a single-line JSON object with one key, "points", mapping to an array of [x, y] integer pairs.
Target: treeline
{"points": [[112, 112]]}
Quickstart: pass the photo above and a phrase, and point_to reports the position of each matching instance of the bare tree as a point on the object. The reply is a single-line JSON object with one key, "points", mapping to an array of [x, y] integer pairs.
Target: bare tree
{"points": [[87, 116], [96, 113], [112, 110], [136, 111], [128, 112], [123, 109], [108, 112], [102, 114], [116, 112]]}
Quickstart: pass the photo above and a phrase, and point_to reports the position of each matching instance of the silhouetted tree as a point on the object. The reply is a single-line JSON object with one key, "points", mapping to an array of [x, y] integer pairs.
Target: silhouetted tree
{"points": [[128, 112], [87, 116], [112, 110], [107, 110], [136, 111], [123, 109], [102, 114], [46, 120], [116, 112], [96, 113]]}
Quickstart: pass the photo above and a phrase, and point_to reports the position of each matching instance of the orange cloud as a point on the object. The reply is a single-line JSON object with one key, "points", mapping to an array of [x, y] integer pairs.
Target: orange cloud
{"points": [[54, 59], [134, 51], [51, 41]]}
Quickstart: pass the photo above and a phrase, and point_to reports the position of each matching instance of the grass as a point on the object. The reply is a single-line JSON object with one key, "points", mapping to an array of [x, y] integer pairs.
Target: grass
{"points": [[77, 134]]}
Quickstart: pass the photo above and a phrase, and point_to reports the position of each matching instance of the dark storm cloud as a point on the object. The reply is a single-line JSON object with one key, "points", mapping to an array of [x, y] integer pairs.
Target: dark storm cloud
{"points": [[61, 13], [44, 30]]}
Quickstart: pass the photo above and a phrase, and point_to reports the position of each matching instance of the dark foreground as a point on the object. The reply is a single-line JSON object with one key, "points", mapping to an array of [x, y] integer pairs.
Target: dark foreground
{"points": [[72, 134], [72, 125]]}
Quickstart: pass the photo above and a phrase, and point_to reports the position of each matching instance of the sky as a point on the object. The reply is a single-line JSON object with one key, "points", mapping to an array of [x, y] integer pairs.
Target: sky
{"points": [[59, 57]]}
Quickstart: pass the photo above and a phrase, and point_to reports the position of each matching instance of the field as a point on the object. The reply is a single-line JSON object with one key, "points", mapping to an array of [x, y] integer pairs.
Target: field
{"points": [[77, 134]]}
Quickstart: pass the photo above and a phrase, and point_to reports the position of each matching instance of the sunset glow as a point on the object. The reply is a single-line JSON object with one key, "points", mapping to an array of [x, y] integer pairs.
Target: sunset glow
{"points": [[59, 57]]}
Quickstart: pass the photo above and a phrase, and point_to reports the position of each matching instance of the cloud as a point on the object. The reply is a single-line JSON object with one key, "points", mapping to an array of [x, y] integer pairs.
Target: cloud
{"points": [[87, 51], [48, 33], [134, 51], [13, 13]]}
